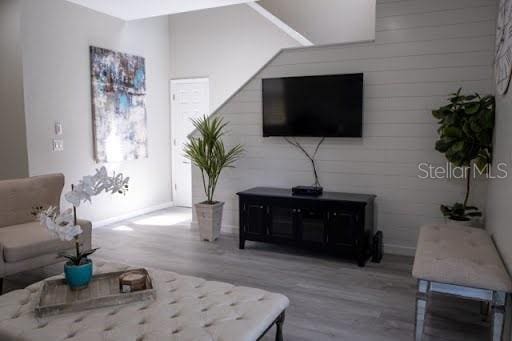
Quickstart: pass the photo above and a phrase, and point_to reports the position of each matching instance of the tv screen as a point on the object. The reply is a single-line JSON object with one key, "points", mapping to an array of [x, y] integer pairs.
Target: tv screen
{"points": [[321, 106]]}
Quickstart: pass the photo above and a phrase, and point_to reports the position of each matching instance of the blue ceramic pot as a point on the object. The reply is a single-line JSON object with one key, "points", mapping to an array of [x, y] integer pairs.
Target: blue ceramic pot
{"points": [[78, 276]]}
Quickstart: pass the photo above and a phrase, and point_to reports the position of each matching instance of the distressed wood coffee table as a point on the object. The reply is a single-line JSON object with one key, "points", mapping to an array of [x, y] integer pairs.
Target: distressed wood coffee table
{"points": [[186, 308]]}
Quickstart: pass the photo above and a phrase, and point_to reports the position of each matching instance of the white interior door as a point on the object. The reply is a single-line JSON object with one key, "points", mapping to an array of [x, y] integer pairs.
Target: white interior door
{"points": [[190, 98]]}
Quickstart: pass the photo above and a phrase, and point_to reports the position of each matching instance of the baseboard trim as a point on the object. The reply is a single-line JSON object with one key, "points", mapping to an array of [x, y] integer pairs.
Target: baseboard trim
{"points": [[399, 250], [132, 214]]}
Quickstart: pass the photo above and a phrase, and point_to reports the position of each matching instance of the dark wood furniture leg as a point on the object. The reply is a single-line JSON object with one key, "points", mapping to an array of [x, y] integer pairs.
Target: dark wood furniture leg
{"points": [[279, 327], [1, 286]]}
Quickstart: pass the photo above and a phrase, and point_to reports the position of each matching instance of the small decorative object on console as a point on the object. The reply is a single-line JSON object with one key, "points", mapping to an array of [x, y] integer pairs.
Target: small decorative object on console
{"points": [[307, 190], [78, 269], [316, 189]]}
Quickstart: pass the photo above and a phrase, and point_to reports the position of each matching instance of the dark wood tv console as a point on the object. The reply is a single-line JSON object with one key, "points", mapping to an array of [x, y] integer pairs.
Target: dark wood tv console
{"points": [[338, 223]]}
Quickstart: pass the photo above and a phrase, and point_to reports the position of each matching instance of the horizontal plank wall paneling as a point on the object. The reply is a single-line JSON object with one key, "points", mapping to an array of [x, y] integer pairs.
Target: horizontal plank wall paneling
{"points": [[423, 51]]}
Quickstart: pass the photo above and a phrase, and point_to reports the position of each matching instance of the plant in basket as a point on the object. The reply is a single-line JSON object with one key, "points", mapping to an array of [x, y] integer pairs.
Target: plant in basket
{"points": [[78, 268]]}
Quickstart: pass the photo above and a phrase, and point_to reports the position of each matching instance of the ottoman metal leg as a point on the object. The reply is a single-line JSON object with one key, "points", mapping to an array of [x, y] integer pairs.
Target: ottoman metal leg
{"points": [[421, 308], [279, 327], [498, 315]]}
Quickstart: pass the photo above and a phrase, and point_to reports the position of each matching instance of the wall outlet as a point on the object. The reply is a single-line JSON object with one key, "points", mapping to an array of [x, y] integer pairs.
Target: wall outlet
{"points": [[58, 128], [58, 145]]}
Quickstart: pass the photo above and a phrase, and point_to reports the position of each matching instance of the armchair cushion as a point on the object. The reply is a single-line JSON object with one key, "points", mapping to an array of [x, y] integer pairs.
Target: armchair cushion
{"points": [[29, 240], [18, 197]]}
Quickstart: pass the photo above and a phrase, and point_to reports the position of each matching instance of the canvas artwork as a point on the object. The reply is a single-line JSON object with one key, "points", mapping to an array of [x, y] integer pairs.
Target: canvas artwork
{"points": [[118, 105]]}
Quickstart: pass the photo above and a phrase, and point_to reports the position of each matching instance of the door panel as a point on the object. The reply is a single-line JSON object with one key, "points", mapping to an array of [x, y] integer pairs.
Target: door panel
{"points": [[282, 222], [342, 228], [255, 219], [312, 226], [189, 100]]}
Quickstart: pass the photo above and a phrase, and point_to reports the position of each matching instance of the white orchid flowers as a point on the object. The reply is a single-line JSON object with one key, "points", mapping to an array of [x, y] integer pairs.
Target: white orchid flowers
{"points": [[64, 224], [92, 185]]}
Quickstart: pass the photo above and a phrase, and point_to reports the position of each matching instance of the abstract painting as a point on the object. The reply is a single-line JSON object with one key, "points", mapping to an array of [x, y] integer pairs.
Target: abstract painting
{"points": [[118, 87]]}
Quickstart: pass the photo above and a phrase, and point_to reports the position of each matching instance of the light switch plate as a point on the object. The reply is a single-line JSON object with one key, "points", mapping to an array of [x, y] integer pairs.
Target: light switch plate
{"points": [[58, 128], [58, 145]]}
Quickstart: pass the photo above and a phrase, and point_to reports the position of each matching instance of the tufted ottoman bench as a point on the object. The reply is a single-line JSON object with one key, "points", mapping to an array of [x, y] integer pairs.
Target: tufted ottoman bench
{"points": [[463, 261], [186, 308]]}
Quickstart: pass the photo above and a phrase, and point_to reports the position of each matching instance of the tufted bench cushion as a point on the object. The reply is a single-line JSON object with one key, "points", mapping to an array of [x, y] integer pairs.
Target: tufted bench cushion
{"points": [[186, 308], [459, 255]]}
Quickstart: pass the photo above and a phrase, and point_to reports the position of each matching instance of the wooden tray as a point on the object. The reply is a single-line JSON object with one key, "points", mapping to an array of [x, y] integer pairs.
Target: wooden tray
{"points": [[103, 290]]}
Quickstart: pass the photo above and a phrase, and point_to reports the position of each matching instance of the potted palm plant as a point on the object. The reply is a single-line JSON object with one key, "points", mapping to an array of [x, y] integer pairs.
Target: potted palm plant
{"points": [[207, 152], [466, 127]]}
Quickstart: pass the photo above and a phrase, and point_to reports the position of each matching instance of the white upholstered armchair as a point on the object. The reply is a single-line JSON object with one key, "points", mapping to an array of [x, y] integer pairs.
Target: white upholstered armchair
{"points": [[24, 243]]}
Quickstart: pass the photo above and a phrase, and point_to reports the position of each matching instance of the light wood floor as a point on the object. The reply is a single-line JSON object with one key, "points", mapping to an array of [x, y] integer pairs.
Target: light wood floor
{"points": [[331, 299]]}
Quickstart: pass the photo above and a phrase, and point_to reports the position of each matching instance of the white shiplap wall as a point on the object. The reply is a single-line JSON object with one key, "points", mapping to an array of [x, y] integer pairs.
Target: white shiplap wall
{"points": [[423, 51]]}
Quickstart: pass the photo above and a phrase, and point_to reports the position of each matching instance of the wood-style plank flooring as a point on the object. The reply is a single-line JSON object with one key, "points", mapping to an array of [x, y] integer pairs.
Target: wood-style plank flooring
{"points": [[331, 299]]}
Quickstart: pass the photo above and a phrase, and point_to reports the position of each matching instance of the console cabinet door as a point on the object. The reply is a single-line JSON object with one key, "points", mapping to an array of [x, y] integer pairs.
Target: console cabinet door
{"points": [[282, 222], [255, 222], [312, 226], [343, 229]]}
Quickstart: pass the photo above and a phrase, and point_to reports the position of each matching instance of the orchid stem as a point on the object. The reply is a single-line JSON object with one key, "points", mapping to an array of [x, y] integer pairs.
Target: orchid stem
{"points": [[77, 242], [77, 247]]}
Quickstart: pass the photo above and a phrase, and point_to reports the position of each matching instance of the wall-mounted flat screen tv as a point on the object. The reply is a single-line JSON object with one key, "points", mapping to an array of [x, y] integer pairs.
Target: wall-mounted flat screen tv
{"points": [[318, 106]]}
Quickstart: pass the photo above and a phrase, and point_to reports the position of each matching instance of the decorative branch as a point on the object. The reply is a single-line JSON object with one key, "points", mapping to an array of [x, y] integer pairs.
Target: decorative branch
{"points": [[311, 158]]}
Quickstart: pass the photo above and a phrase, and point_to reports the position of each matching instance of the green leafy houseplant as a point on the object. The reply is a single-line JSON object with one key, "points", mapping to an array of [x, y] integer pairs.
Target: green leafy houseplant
{"points": [[465, 130], [208, 153]]}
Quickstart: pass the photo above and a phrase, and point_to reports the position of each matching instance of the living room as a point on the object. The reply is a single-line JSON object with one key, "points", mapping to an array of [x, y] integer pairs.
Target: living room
{"points": [[224, 162]]}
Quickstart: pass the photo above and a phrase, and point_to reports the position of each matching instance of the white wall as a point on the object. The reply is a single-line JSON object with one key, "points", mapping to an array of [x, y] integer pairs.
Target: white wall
{"points": [[227, 45], [499, 199], [327, 21], [13, 145], [423, 51], [56, 39], [500, 190]]}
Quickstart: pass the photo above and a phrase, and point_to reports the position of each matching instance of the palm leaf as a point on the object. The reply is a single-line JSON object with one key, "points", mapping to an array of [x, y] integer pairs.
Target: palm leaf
{"points": [[208, 153]]}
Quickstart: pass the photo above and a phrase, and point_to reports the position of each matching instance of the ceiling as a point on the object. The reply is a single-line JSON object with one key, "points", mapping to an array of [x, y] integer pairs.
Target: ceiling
{"points": [[139, 9]]}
